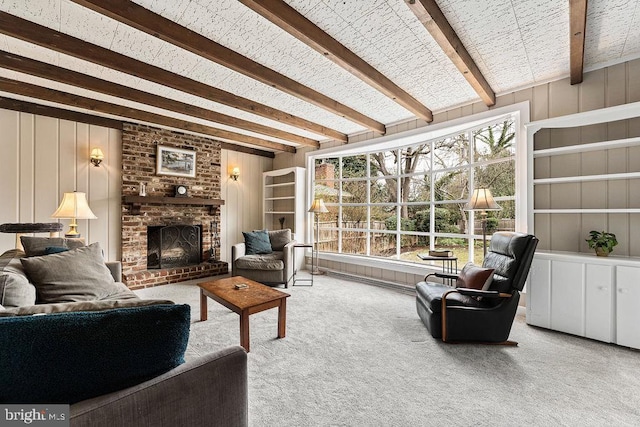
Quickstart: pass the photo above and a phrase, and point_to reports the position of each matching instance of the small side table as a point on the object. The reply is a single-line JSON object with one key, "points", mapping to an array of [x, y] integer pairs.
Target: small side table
{"points": [[295, 268], [449, 263]]}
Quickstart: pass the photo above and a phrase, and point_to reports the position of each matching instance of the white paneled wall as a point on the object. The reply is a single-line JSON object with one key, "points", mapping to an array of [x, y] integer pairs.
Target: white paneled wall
{"points": [[242, 210], [43, 158]]}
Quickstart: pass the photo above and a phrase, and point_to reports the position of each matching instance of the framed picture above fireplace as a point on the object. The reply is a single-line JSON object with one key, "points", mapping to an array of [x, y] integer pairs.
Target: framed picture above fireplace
{"points": [[175, 162]]}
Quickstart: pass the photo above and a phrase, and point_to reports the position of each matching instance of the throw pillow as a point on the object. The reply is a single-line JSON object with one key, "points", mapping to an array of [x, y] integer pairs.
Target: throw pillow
{"points": [[475, 277], [257, 242], [35, 246], [76, 275], [15, 289], [70, 357], [279, 238], [54, 250]]}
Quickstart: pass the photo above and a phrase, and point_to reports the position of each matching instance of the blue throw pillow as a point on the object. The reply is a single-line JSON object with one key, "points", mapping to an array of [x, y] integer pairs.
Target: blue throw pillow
{"points": [[54, 250], [257, 242], [69, 357]]}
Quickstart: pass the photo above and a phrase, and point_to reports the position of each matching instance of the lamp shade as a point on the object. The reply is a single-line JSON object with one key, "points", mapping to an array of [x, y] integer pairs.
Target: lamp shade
{"points": [[318, 206], [482, 200], [74, 206]]}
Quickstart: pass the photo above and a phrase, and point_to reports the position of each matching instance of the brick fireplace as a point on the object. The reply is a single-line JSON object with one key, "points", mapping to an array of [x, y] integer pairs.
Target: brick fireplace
{"points": [[139, 147]]}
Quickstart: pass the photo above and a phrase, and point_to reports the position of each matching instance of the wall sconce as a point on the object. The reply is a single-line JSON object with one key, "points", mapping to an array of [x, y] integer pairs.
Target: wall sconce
{"points": [[96, 157], [235, 173]]}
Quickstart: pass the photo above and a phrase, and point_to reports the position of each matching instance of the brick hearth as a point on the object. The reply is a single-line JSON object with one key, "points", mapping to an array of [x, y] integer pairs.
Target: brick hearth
{"points": [[139, 146]]}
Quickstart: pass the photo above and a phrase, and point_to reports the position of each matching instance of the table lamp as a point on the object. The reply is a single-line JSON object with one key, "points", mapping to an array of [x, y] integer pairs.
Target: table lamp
{"points": [[74, 206]]}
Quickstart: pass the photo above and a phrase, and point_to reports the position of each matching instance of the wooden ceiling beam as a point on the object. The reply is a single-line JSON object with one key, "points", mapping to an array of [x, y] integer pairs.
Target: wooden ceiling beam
{"points": [[51, 72], [58, 113], [290, 20], [59, 97], [138, 17], [33, 33], [577, 26], [430, 15], [74, 116]]}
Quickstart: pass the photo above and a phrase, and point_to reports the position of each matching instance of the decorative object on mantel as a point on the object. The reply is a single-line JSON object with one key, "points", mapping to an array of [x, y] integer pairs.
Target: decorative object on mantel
{"points": [[74, 206], [181, 191], [281, 221], [175, 162], [143, 189], [96, 157], [602, 242]]}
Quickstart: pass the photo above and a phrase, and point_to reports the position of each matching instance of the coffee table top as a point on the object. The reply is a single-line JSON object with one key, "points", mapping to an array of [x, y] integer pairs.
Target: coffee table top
{"points": [[255, 294]]}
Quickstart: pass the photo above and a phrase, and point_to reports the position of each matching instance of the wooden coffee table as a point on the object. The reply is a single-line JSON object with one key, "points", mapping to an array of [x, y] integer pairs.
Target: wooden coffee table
{"points": [[255, 298]]}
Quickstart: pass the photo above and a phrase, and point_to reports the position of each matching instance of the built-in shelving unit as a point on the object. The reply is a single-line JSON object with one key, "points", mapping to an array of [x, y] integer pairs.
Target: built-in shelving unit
{"points": [[574, 187], [283, 197]]}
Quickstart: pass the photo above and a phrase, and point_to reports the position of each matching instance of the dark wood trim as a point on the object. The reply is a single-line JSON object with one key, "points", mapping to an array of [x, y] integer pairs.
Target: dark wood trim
{"points": [[39, 92], [136, 202], [58, 113], [290, 20], [138, 17], [47, 71], [430, 15], [248, 150], [577, 26], [33, 33]]}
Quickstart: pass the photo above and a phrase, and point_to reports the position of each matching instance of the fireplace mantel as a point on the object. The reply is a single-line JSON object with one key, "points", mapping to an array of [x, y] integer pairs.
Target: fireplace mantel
{"points": [[136, 202]]}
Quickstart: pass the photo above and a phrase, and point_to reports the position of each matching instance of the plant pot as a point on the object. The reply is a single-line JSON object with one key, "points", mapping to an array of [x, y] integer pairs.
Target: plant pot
{"points": [[602, 252]]}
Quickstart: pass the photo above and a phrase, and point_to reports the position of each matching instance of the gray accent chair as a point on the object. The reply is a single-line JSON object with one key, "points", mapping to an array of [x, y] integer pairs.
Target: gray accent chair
{"points": [[273, 269]]}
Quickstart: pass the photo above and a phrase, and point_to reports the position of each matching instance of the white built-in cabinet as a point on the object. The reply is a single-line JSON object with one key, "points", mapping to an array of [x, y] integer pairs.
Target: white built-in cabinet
{"points": [[583, 174], [284, 197], [585, 295]]}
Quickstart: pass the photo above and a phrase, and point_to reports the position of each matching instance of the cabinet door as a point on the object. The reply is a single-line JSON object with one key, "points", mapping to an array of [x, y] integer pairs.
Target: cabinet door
{"points": [[538, 293], [599, 302], [567, 297], [628, 306]]}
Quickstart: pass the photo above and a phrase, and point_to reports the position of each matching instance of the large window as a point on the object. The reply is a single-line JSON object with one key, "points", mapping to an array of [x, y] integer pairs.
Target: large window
{"points": [[398, 202]]}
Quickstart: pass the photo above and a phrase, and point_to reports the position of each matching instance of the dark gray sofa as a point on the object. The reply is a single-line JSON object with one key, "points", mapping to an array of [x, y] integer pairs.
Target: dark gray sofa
{"points": [[208, 391]]}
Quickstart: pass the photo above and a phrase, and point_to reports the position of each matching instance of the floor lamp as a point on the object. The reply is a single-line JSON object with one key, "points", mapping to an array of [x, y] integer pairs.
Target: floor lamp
{"points": [[317, 207], [482, 200]]}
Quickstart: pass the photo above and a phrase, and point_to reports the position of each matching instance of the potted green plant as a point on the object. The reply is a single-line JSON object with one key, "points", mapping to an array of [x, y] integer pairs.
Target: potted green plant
{"points": [[602, 242]]}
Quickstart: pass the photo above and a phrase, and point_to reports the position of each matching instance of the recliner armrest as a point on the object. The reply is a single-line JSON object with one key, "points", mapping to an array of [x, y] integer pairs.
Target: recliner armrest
{"points": [[480, 293]]}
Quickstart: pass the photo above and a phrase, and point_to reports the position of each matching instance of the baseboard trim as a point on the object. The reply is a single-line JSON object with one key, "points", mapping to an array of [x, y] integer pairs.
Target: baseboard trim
{"points": [[405, 289]]}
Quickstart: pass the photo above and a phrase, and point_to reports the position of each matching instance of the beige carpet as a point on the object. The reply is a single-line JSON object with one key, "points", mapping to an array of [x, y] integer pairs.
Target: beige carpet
{"points": [[358, 355]]}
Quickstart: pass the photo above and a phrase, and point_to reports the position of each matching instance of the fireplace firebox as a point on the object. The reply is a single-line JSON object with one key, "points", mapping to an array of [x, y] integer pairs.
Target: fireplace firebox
{"points": [[170, 246]]}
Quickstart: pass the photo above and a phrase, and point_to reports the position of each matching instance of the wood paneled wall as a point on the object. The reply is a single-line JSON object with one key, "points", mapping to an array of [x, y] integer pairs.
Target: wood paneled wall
{"points": [[44, 157], [242, 210]]}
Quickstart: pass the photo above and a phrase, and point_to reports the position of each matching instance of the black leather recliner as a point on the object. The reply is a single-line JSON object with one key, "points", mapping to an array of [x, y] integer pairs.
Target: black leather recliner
{"points": [[476, 315]]}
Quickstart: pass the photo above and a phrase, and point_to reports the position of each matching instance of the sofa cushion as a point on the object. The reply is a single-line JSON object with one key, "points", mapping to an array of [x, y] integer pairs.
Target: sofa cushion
{"points": [[279, 238], [474, 277], [64, 307], [69, 357], [76, 275], [36, 246], [272, 261], [257, 242], [15, 289]]}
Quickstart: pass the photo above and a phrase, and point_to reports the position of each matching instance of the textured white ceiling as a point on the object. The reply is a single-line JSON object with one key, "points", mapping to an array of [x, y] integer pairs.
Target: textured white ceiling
{"points": [[514, 43]]}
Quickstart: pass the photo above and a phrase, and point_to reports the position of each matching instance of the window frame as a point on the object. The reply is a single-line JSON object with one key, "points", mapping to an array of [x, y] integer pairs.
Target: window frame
{"points": [[400, 141]]}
